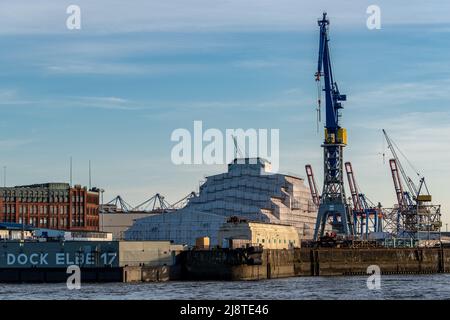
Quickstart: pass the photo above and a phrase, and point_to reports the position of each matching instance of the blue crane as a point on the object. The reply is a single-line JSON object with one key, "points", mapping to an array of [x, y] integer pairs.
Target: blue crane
{"points": [[333, 205]]}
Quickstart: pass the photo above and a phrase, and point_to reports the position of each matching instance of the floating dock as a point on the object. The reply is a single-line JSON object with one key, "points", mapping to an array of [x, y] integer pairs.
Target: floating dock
{"points": [[143, 261], [99, 261]]}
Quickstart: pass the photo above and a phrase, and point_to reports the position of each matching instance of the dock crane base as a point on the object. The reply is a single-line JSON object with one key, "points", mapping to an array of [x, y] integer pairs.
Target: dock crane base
{"points": [[340, 223]]}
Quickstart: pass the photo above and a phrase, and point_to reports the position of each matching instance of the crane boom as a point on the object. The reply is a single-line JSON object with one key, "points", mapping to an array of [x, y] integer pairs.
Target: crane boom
{"points": [[409, 183], [312, 185], [357, 205], [397, 184]]}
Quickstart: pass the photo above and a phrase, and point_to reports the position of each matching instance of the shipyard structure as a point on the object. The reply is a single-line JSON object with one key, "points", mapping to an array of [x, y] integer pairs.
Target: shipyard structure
{"points": [[248, 190], [245, 224]]}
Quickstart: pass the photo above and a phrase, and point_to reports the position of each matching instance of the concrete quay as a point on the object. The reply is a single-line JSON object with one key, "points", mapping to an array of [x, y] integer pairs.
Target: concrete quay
{"points": [[237, 265]]}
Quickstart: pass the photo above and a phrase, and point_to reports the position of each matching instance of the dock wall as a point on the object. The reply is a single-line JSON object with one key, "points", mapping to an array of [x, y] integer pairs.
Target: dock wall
{"points": [[241, 264], [232, 265], [55, 275]]}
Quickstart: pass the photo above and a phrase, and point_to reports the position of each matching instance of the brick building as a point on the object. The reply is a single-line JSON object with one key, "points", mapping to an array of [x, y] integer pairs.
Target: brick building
{"points": [[51, 205]]}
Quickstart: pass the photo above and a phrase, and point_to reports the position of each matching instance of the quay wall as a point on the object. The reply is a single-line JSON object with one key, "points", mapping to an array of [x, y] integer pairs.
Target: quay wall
{"points": [[235, 264], [222, 264]]}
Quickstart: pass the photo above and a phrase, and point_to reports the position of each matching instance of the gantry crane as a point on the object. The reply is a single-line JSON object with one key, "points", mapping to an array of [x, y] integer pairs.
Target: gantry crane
{"points": [[366, 218], [333, 204], [118, 204], [184, 201], [155, 204], [416, 217]]}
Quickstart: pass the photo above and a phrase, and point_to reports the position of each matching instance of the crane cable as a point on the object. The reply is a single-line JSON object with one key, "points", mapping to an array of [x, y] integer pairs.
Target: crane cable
{"points": [[407, 160]]}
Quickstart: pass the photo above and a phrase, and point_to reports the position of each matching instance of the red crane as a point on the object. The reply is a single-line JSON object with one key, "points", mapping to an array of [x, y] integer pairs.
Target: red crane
{"points": [[357, 206], [312, 185], [397, 183]]}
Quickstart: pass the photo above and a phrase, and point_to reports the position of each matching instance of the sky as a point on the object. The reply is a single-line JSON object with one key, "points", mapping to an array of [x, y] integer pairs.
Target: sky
{"points": [[114, 91]]}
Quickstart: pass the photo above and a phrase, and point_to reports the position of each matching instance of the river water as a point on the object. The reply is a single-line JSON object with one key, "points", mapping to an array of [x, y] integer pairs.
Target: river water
{"points": [[355, 287]]}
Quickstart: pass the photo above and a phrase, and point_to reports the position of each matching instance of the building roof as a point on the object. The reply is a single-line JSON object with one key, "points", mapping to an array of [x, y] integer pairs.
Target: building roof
{"points": [[51, 185]]}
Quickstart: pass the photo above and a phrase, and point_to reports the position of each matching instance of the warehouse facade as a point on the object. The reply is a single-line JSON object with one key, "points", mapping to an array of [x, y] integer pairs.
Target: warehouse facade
{"points": [[51, 205]]}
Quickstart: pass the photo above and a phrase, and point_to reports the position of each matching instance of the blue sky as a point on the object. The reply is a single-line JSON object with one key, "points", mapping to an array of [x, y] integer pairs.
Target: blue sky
{"points": [[114, 91]]}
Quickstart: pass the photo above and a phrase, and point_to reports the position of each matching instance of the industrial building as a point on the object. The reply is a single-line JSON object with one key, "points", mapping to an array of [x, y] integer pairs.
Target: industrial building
{"points": [[117, 215], [51, 205], [247, 190], [118, 222], [240, 232]]}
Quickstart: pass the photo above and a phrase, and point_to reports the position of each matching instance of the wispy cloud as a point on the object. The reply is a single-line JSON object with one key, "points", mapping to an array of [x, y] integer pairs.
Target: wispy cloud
{"points": [[401, 93], [98, 68], [109, 16], [256, 64], [104, 103], [15, 97], [12, 97], [15, 143]]}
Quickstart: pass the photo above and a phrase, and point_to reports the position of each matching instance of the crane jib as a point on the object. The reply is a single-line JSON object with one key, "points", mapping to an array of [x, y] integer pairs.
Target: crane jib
{"points": [[333, 97]]}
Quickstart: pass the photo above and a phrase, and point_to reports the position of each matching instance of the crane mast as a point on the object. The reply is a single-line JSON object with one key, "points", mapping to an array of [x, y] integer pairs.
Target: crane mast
{"points": [[333, 203]]}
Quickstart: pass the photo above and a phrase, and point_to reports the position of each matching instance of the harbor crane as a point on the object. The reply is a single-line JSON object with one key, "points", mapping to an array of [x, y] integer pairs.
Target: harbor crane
{"points": [[156, 203], [184, 201], [416, 217], [367, 218], [333, 204], [118, 203]]}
